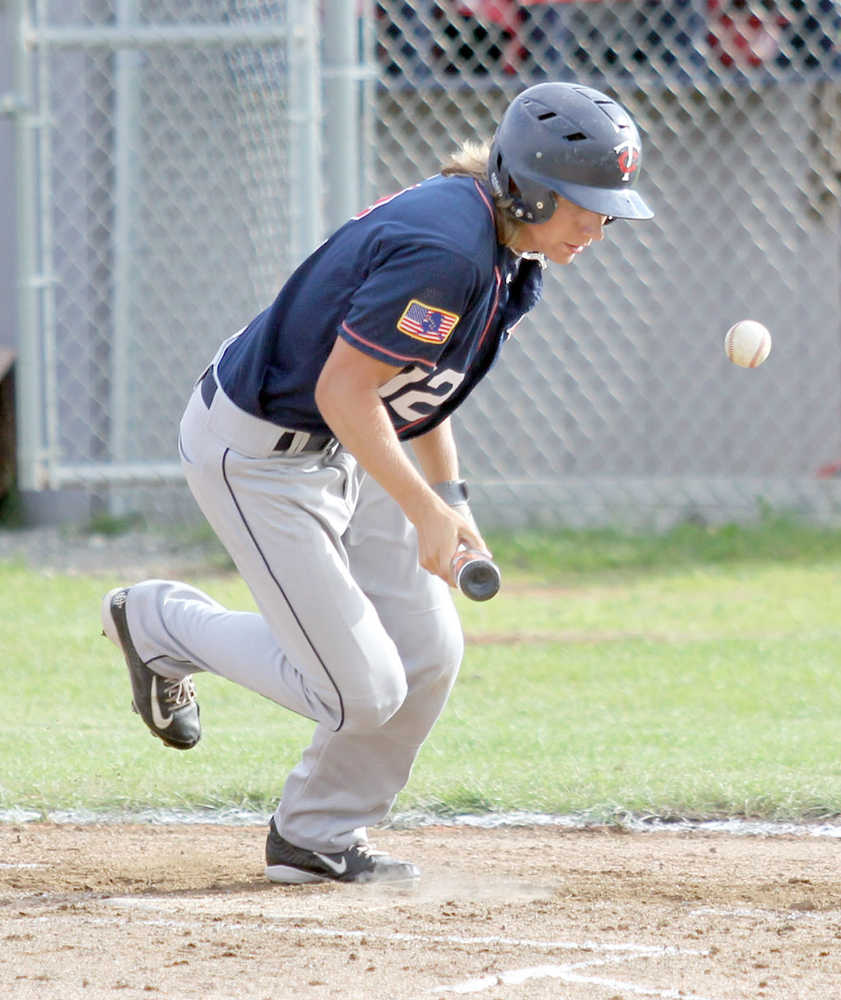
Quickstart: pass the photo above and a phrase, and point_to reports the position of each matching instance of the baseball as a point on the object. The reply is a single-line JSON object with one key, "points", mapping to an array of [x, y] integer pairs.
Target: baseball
{"points": [[747, 343]]}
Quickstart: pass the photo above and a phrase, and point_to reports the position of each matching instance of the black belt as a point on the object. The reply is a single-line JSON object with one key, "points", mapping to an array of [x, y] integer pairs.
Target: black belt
{"points": [[315, 442]]}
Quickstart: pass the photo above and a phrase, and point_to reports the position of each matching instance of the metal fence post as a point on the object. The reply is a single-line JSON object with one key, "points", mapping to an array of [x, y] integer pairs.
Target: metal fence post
{"points": [[29, 387], [125, 150], [367, 115], [304, 190], [342, 111]]}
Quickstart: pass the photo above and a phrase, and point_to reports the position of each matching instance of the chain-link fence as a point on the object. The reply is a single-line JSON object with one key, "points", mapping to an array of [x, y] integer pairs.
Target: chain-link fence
{"points": [[616, 395], [168, 163], [173, 196]]}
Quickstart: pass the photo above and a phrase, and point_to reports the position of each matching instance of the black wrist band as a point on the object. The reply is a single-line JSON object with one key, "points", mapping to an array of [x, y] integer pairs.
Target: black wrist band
{"points": [[452, 492]]}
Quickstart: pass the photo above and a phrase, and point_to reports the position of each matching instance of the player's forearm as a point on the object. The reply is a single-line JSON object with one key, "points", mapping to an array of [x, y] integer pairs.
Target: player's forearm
{"points": [[347, 394], [436, 453], [355, 414], [438, 458]]}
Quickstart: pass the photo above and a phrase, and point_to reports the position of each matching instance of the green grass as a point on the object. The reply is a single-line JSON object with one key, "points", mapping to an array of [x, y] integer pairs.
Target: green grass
{"points": [[772, 538], [689, 673]]}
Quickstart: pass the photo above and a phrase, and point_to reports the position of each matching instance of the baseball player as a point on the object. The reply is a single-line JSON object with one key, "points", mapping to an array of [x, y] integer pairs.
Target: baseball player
{"points": [[292, 444]]}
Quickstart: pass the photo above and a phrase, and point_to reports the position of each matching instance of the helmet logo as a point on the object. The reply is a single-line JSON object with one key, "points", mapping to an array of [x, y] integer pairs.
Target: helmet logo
{"points": [[627, 158]]}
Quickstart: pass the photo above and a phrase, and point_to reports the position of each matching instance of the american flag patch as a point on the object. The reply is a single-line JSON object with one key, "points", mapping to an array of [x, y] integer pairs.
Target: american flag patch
{"points": [[427, 323]]}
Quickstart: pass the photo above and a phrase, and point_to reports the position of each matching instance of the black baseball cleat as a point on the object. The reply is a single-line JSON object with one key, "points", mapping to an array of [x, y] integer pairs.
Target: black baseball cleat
{"points": [[296, 866], [168, 707]]}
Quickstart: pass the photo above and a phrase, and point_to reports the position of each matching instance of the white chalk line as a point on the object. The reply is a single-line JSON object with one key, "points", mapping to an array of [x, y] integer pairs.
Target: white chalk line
{"points": [[607, 947], [610, 951], [270, 922], [567, 974], [516, 977], [416, 819], [614, 952]]}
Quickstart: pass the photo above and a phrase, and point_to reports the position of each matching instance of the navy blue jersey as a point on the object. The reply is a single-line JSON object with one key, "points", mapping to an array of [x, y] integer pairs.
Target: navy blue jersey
{"points": [[418, 280]]}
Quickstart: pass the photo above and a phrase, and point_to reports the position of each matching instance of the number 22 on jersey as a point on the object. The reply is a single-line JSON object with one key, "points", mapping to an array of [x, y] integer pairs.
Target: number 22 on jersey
{"points": [[413, 401]]}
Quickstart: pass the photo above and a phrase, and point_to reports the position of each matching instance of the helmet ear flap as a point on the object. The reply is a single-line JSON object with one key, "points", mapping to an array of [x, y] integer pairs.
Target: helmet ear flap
{"points": [[530, 202], [519, 209], [533, 204]]}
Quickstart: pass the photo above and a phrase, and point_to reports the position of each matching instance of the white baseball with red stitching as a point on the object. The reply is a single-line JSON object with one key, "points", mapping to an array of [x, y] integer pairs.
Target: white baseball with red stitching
{"points": [[747, 343]]}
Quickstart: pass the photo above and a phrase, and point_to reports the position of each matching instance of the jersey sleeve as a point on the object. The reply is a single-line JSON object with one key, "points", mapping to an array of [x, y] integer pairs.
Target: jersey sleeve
{"points": [[410, 305]]}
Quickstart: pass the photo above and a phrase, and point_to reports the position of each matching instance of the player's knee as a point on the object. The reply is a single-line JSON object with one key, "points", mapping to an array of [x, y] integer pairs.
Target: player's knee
{"points": [[372, 709], [449, 652], [431, 685], [437, 660]]}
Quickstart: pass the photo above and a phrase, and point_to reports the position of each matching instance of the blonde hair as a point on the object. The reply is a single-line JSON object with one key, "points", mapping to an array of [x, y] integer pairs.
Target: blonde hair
{"points": [[471, 160]]}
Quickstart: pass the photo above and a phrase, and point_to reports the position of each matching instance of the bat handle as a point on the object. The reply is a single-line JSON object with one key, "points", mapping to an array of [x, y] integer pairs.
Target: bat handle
{"points": [[476, 576]]}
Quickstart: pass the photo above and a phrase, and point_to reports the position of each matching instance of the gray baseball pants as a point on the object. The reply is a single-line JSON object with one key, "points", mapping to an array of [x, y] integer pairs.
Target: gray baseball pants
{"points": [[351, 632]]}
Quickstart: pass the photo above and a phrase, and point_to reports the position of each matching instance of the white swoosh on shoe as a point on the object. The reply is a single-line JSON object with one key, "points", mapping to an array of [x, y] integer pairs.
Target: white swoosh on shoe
{"points": [[338, 867], [161, 721]]}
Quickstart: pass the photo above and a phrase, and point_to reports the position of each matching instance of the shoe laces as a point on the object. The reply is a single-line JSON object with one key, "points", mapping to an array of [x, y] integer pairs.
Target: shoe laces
{"points": [[364, 850], [179, 693]]}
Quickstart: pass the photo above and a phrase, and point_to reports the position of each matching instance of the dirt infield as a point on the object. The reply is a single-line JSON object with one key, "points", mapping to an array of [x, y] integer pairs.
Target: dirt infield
{"points": [[183, 911]]}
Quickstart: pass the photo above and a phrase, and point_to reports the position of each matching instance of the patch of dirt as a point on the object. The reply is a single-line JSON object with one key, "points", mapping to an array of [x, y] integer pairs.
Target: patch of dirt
{"points": [[184, 911]]}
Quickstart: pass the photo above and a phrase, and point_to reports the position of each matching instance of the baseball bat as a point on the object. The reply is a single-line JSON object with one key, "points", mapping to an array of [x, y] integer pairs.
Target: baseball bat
{"points": [[476, 576]]}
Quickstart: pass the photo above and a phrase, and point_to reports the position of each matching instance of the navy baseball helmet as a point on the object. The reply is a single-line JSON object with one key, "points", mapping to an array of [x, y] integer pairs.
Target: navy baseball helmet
{"points": [[572, 140]]}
